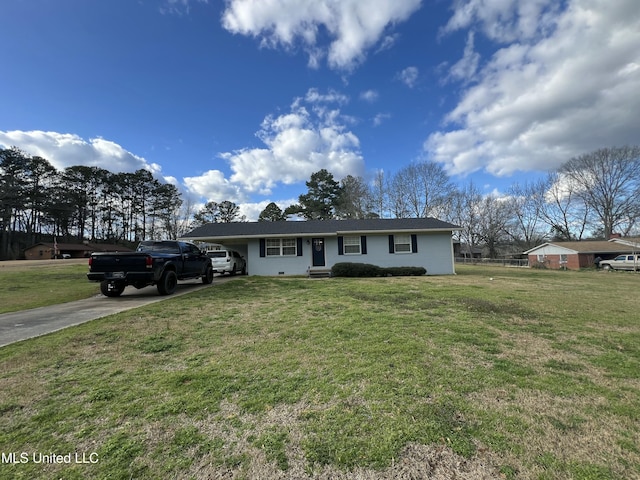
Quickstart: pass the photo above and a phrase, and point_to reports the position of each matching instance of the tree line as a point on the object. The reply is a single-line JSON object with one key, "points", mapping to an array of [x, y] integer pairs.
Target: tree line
{"points": [[590, 196], [79, 203]]}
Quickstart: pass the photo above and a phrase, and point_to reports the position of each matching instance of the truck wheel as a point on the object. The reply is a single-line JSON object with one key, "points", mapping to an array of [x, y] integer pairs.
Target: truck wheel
{"points": [[111, 289], [207, 278], [168, 283], [606, 267]]}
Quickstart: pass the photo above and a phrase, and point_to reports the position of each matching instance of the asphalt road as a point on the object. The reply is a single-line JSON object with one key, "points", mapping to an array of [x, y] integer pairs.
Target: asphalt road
{"points": [[17, 326]]}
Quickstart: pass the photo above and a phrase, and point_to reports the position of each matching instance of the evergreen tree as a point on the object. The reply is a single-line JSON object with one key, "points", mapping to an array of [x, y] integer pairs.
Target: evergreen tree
{"points": [[272, 213], [321, 202]]}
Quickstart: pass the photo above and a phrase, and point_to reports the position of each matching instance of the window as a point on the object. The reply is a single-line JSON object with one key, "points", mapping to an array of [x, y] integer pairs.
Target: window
{"points": [[563, 258], [288, 246], [274, 247], [277, 247], [402, 243], [352, 246], [541, 258]]}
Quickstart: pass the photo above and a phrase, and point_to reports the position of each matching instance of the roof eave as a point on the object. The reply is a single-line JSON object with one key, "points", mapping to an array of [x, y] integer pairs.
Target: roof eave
{"points": [[396, 230], [315, 234]]}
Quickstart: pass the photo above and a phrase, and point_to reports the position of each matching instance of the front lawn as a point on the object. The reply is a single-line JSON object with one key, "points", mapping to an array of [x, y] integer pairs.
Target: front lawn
{"points": [[533, 374], [31, 285]]}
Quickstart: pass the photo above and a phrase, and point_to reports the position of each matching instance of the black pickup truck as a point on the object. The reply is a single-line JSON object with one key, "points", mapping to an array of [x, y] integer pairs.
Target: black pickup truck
{"points": [[160, 263]]}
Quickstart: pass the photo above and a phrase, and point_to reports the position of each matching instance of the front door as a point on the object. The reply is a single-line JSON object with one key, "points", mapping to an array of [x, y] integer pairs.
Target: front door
{"points": [[317, 246]]}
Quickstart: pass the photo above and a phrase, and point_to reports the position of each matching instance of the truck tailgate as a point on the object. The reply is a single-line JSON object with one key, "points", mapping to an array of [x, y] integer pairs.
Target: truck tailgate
{"points": [[119, 262]]}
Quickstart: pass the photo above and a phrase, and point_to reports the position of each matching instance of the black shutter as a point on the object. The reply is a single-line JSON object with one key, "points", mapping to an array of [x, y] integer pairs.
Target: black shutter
{"points": [[263, 247], [340, 245], [299, 242], [363, 244], [392, 247], [414, 243]]}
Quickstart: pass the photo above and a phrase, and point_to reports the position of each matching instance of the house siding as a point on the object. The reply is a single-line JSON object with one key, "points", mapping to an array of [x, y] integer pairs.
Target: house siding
{"points": [[434, 252]]}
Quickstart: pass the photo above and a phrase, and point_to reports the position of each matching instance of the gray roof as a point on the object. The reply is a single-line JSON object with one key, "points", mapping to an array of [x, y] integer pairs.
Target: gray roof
{"points": [[317, 227]]}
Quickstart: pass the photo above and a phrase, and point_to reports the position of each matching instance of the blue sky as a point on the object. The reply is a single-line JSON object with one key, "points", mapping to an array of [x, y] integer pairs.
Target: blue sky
{"points": [[242, 100]]}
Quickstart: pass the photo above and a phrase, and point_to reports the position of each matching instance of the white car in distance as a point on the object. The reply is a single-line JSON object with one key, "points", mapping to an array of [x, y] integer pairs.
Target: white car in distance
{"points": [[228, 261]]}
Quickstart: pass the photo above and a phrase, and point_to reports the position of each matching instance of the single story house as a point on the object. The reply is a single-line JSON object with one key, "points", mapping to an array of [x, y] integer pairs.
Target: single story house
{"points": [[575, 255], [464, 250], [308, 247], [46, 250]]}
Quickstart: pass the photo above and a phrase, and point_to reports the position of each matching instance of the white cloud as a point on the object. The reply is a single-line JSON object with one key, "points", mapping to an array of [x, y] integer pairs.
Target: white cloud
{"points": [[409, 76], [369, 96], [252, 210], [297, 144], [505, 20], [178, 7], [213, 186], [465, 68], [388, 43], [332, 96], [64, 150], [563, 87], [380, 118], [353, 26]]}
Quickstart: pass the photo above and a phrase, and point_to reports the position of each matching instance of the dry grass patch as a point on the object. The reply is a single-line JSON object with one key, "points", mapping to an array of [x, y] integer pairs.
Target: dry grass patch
{"points": [[558, 432], [269, 446]]}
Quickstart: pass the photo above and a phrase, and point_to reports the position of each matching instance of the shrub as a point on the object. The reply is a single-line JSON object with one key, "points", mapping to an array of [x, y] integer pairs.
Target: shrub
{"points": [[404, 271], [348, 269]]}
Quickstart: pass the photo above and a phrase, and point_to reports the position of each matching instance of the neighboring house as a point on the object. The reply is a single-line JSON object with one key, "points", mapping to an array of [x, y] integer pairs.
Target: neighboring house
{"points": [[299, 248], [575, 255], [464, 250], [45, 250]]}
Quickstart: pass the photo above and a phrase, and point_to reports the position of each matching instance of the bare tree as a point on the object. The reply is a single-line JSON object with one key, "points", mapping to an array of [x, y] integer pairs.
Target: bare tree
{"points": [[562, 209], [379, 194], [466, 204], [525, 204], [178, 221], [493, 220], [420, 190], [608, 181], [355, 199]]}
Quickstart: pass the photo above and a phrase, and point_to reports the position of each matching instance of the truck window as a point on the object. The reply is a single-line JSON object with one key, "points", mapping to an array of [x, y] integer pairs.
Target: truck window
{"points": [[158, 247]]}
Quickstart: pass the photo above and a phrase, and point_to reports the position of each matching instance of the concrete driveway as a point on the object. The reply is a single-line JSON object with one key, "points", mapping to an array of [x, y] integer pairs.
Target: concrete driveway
{"points": [[17, 326]]}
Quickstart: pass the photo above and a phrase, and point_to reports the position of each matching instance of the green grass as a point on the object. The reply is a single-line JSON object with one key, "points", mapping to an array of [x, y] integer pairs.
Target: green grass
{"points": [[31, 286], [535, 373]]}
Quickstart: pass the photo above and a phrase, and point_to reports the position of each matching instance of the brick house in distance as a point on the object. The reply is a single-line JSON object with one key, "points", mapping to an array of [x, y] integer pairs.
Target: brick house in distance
{"points": [[577, 255], [47, 251]]}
